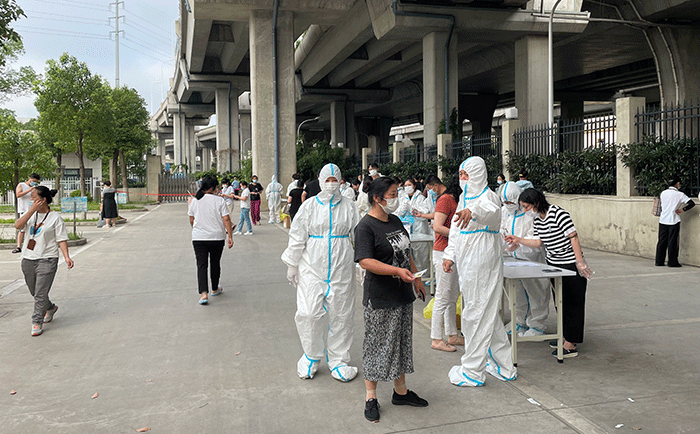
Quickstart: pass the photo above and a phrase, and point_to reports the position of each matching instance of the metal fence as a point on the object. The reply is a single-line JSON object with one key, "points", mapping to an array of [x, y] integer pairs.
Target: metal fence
{"points": [[70, 184], [176, 187], [416, 153], [383, 157], [567, 135], [476, 146]]}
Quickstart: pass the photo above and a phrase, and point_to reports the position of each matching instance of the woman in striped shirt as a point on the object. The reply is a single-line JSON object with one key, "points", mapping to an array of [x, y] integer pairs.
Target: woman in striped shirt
{"points": [[554, 229]]}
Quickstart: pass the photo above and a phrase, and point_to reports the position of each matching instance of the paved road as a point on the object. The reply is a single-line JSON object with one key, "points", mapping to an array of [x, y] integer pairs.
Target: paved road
{"points": [[129, 328]]}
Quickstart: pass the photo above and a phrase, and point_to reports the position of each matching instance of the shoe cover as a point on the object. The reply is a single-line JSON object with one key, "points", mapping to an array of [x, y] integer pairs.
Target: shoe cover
{"points": [[532, 332], [458, 378], [344, 373], [496, 371], [306, 367]]}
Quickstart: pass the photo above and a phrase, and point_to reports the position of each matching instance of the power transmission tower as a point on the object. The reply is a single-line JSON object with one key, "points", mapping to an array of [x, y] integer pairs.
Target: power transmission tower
{"points": [[116, 32]]}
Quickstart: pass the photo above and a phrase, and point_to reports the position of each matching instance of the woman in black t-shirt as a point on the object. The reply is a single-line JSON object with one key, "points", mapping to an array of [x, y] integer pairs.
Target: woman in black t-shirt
{"points": [[383, 249], [255, 189], [294, 198]]}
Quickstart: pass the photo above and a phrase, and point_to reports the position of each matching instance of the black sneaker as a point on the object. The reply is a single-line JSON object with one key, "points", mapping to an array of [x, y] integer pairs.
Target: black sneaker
{"points": [[17, 250], [372, 410], [410, 398], [553, 344], [566, 354]]}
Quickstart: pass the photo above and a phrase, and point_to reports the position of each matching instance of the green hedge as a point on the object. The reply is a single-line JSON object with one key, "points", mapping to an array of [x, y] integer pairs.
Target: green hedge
{"points": [[653, 160], [590, 171]]}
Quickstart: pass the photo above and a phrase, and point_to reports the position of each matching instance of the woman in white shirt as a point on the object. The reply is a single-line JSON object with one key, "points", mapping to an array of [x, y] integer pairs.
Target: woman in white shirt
{"points": [[210, 221], [45, 235]]}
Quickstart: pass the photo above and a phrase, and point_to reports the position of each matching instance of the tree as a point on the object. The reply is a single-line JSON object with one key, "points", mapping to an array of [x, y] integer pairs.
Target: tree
{"points": [[132, 138], [9, 12], [21, 153], [74, 109], [11, 81]]}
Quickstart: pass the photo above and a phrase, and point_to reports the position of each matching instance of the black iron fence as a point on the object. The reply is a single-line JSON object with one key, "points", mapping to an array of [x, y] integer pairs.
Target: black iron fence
{"points": [[176, 187], [476, 146], [566, 135], [416, 153], [383, 157], [669, 122]]}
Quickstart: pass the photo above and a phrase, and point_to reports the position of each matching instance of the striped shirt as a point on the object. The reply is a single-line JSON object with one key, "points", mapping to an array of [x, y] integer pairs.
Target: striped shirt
{"points": [[554, 231]]}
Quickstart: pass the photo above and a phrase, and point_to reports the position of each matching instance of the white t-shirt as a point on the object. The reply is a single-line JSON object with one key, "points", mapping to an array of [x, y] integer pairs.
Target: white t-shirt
{"points": [[245, 198], [208, 213], [671, 200], [228, 190], [24, 202], [48, 235]]}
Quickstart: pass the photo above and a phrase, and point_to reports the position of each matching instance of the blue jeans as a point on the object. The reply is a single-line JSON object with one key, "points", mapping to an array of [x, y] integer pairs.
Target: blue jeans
{"points": [[245, 218]]}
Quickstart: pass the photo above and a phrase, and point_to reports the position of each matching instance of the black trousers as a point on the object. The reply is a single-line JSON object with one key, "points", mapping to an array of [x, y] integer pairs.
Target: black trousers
{"points": [[573, 301], [668, 239], [208, 251]]}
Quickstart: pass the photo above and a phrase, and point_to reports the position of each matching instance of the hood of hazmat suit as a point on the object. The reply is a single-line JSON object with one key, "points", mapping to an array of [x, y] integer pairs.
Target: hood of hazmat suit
{"points": [[321, 246], [476, 252]]}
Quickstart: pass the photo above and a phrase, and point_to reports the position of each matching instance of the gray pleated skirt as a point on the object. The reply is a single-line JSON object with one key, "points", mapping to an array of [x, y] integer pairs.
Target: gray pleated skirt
{"points": [[388, 344]]}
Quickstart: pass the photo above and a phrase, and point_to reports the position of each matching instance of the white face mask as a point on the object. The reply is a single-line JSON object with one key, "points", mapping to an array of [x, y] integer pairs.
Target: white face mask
{"points": [[463, 184], [511, 208], [499, 181], [330, 187], [408, 190], [391, 205], [532, 213], [372, 172]]}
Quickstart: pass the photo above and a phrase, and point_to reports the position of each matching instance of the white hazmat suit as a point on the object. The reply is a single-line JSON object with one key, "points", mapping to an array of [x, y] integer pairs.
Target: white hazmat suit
{"points": [[416, 225], [476, 252], [320, 257], [273, 193], [532, 295]]}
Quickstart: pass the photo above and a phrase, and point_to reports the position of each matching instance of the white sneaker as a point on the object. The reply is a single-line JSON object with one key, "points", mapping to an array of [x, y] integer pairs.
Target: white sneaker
{"points": [[248, 233], [532, 332], [238, 233]]}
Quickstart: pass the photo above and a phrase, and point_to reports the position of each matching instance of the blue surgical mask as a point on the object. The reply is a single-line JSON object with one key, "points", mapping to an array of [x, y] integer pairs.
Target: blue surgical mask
{"points": [[499, 181], [33, 183]]}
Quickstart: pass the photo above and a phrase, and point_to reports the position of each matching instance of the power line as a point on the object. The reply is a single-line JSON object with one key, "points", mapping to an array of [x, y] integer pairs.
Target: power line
{"points": [[71, 21], [160, 38], [150, 46], [42, 32], [167, 32], [73, 4], [146, 47], [61, 15], [31, 29], [146, 54]]}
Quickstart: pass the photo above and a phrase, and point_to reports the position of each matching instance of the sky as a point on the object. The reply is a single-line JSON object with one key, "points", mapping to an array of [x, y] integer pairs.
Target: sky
{"points": [[82, 29]]}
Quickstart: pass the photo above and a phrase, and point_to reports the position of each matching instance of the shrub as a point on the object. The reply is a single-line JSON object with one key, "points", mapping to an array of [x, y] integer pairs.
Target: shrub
{"points": [[654, 159]]}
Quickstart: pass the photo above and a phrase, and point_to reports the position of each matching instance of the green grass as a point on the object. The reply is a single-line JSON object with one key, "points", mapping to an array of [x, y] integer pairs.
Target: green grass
{"points": [[7, 240], [92, 206], [75, 236]]}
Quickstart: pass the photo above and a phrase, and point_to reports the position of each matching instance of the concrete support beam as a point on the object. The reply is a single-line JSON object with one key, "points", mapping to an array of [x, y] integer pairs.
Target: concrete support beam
{"points": [[508, 145], [479, 110], [233, 54], [179, 138], [191, 147], [377, 51], [197, 43], [261, 55], [227, 145], [531, 79], [365, 157], [442, 141], [396, 152], [434, 83], [338, 130], [245, 134], [625, 109], [409, 56], [153, 164]]}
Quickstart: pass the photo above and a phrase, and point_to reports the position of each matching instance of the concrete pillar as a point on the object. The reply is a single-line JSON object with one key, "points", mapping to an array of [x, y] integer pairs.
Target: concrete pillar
{"points": [[531, 80], [245, 134], [350, 128], [442, 141], [227, 145], [625, 109], [508, 145], [152, 172], [338, 124], [434, 83], [479, 110], [179, 138], [261, 87], [160, 150], [365, 157], [191, 148], [206, 159], [396, 152], [373, 145]]}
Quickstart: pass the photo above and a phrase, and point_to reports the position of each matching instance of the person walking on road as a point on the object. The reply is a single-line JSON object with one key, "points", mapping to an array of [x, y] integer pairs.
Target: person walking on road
{"points": [[46, 235], [383, 248], [210, 221], [23, 193], [245, 210], [673, 203], [321, 267], [255, 190]]}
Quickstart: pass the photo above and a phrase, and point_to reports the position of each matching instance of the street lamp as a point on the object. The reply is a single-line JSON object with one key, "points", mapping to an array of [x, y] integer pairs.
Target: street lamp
{"points": [[305, 121]]}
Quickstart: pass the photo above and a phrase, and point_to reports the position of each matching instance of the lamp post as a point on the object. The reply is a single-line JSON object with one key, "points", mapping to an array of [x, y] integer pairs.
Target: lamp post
{"points": [[550, 81], [305, 121]]}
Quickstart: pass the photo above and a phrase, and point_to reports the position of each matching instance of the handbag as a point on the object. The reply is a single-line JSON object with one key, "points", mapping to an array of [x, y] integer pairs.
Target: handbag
{"points": [[656, 207], [101, 221]]}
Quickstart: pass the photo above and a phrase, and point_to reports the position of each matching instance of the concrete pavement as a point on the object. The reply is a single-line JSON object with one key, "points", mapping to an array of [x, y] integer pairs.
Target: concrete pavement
{"points": [[129, 328]]}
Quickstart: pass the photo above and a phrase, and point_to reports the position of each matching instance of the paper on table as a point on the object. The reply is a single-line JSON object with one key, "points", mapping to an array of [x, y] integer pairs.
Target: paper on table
{"points": [[521, 264]]}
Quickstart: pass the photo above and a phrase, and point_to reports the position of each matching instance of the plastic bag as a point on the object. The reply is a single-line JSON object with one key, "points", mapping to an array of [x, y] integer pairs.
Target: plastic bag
{"points": [[428, 311]]}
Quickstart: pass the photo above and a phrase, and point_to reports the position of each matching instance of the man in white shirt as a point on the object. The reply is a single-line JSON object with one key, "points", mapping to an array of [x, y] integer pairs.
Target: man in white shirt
{"points": [[673, 204], [23, 192]]}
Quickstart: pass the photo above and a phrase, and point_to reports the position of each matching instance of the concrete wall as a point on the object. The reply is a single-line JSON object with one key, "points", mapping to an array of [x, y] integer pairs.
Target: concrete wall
{"points": [[139, 195], [70, 161], [626, 226]]}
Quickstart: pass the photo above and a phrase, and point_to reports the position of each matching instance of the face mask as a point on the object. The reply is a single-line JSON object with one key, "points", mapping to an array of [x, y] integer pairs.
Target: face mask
{"points": [[372, 172], [463, 184], [33, 183], [532, 213], [432, 193], [330, 187], [511, 208], [391, 205], [499, 181], [255, 181], [408, 190]]}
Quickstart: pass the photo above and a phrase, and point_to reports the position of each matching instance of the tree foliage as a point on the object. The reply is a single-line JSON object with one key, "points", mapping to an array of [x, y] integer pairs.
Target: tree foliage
{"points": [[74, 108], [21, 153], [9, 12]]}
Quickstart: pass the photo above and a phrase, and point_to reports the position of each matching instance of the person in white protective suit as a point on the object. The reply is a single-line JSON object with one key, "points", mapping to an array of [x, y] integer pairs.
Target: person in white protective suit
{"points": [[347, 191], [321, 265], [412, 202], [476, 249], [273, 193], [532, 295]]}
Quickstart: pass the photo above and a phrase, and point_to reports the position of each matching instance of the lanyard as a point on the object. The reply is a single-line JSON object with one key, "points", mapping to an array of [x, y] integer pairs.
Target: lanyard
{"points": [[36, 226]]}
